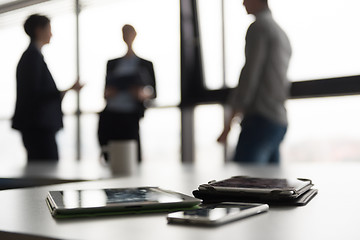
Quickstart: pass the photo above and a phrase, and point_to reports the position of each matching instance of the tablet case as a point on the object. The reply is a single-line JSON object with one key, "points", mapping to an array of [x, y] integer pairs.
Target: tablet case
{"points": [[216, 197], [239, 186]]}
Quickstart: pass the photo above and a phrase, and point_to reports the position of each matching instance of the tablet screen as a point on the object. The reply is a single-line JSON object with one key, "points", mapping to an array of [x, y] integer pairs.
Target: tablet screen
{"points": [[113, 197]]}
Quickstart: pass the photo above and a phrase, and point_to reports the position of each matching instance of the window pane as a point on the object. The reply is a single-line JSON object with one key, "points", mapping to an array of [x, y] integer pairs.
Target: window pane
{"points": [[158, 40], [60, 58], [236, 24], [12, 153], [159, 131], [209, 121], [9, 57], [161, 135], [210, 27], [323, 129], [324, 35], [59, 54], [320, 130]]}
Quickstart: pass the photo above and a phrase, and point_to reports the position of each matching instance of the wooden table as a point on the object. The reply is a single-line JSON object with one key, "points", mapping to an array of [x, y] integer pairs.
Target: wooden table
{"points": [[332, 214]]}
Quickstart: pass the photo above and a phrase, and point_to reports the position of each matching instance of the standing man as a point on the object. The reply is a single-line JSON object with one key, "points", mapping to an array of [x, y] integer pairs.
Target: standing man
{"points": [[38, 114], [262, 90]]}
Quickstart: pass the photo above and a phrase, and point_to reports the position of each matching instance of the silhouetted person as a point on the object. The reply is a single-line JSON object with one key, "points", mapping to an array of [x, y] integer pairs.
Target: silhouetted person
{"points": [[263, 89], [38, 114], [130, 81]]}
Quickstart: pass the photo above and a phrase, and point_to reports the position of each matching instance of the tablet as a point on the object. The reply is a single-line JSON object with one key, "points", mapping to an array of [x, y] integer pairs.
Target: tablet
{"points": [[77, 203], [260, 186]]}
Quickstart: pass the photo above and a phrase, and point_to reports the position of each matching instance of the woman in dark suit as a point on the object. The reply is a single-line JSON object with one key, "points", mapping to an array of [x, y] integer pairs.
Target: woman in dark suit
{"points": [[130, 82], [38, 114]]}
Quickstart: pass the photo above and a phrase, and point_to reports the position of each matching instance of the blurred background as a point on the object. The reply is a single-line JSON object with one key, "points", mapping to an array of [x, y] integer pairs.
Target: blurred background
{"points": [[325, 40]]}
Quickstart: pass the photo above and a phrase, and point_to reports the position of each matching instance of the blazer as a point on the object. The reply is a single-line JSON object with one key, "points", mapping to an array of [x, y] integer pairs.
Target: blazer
{"points": [[147, 70], [38, 103]]}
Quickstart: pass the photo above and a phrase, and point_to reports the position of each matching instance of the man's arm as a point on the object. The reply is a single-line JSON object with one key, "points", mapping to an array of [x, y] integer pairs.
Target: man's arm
{"points": [[148, 91], [28, 75], [227, 126], [109, 91], [152, 78]]}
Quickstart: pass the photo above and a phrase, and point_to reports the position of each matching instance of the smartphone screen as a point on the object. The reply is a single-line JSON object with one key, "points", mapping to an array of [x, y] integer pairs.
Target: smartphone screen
{"points": [[217, 214], [214, 213]]}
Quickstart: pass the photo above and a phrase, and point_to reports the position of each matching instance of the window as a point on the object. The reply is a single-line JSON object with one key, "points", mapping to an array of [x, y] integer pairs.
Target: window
{"points": [[323, 130], [325, 45], [60, 57], [323, 35], [158, 40]]}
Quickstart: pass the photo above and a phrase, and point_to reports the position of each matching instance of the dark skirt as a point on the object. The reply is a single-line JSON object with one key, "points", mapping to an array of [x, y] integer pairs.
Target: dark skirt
{"points": [[40, 144], [119, 126]]}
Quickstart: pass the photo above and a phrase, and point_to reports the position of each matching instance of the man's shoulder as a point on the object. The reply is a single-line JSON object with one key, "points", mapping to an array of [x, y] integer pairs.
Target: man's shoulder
{"points": [[146, 62], [265, 27], [32, 53], [114, 60], [29, 59], [142, 61], [255, 29]]}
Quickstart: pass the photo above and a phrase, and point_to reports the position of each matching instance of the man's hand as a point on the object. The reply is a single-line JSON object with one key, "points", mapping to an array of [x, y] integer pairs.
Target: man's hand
{"points": [[223, 137], [143, 93], [227, 125], [77, 86]]}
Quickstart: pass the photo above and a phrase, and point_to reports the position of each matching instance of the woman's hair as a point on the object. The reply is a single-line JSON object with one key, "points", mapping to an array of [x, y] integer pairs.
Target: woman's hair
{"points": [[33, 23]]}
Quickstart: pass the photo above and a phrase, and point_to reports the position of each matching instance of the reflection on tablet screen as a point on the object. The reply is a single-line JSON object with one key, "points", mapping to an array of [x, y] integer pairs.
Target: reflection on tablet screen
{"points": [[106, 197]]}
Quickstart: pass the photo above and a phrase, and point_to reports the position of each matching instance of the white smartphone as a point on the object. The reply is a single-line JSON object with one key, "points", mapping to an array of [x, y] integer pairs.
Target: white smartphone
{"points": [[217, 214]]}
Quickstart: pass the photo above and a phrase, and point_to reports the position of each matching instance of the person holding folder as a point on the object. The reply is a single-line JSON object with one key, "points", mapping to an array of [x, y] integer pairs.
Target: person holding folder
{"points": [[130, 83]]}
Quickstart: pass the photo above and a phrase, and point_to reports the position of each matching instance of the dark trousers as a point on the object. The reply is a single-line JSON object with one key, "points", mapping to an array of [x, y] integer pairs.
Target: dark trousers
{"points": [[40, 144], [119, 126], [259, 141]]}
